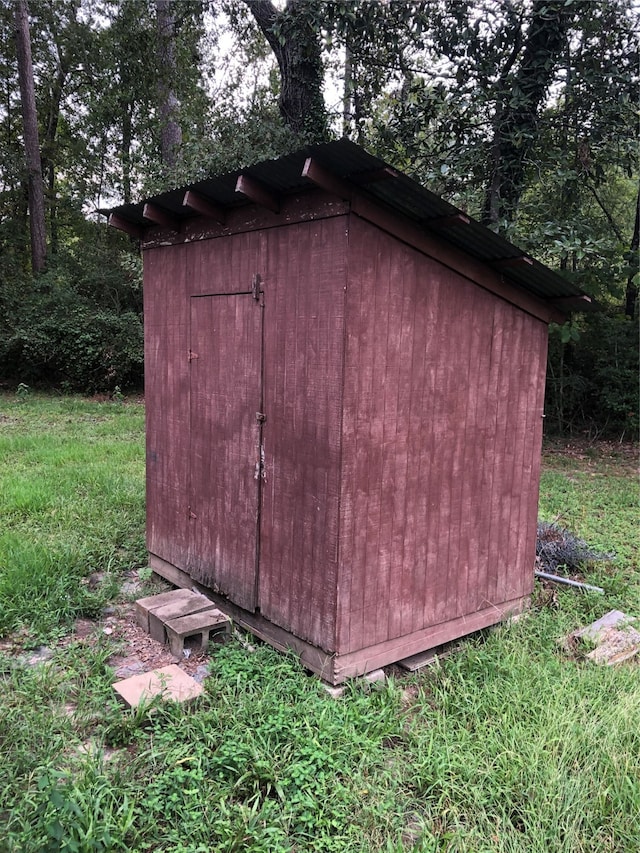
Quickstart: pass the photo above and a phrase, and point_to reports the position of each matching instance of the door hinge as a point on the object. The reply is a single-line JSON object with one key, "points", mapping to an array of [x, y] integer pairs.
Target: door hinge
{"points": [[255, 286], [192, 355]]}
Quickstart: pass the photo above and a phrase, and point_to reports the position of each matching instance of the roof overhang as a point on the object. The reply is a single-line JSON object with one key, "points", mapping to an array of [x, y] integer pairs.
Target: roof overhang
{"points": [[345, 170]]}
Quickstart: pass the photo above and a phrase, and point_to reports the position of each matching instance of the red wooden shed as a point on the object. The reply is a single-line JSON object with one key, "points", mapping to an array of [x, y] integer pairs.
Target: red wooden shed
{"points": [[344, 387]]}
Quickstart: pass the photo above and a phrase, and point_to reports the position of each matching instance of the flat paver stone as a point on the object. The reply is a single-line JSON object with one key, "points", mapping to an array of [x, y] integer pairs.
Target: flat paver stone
{"points": [[169, 682], [616, 637]]}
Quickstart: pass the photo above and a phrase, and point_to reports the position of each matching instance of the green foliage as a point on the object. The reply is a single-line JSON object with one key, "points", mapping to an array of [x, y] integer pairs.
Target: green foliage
{"points": [[78, 326], [86, 815], [593, 377], [443, 90]]}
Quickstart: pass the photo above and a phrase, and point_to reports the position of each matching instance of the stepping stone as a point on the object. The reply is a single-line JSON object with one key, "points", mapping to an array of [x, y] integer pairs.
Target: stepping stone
{"points": [[616, 638], [195, 630], [169, 682]]}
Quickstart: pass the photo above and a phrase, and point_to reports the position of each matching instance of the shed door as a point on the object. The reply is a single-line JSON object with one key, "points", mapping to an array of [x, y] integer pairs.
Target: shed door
{"points": [[225, 440]]}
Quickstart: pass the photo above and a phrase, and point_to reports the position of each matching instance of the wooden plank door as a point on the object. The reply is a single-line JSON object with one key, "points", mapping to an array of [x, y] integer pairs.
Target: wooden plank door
{"points": [[225, 440]]}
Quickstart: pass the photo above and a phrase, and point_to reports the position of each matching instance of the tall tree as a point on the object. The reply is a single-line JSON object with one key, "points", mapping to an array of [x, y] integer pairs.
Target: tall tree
{"points": [[294, 37], [169, 105], [524, 83], [31, 139]]}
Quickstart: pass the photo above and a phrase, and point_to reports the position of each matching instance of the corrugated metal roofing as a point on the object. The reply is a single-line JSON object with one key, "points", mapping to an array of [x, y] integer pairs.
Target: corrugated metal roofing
{"points": [[351, 163]]}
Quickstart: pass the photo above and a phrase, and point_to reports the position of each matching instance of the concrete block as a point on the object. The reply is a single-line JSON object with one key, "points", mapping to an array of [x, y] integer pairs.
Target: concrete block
{"points": [[169, 682], [193, 603], [612, 619], [144, 606], [616, 638], [195, 630], [375, 677], [334, 692]]}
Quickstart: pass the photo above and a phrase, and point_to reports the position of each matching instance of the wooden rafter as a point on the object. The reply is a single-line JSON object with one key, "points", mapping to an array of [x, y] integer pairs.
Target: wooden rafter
{"points": [[374, 176], [160, 216], [121, 224], [257, 192], [451, 221], [517, 261], [326, 180], [581, 302], [204, 206]]}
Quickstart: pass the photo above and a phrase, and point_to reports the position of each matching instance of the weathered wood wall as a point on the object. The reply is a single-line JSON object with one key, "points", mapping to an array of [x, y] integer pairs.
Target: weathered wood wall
{"points": [[402, 437], [442, 429], [304, 334]]}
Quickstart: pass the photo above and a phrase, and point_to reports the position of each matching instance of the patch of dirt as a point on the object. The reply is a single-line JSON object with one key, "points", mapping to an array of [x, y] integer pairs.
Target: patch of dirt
{"points": [[134, 650], [624, 455], [141, 647]]}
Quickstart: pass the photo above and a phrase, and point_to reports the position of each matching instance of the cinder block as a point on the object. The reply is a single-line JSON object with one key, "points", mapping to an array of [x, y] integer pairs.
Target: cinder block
{"points": [[169, 682], [197, 627], [195, 603], [375, 677], [144, 606], [334, 692]]}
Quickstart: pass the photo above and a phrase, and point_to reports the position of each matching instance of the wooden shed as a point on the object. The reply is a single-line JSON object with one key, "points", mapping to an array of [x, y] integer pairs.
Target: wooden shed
{"points": [[344, 387]]}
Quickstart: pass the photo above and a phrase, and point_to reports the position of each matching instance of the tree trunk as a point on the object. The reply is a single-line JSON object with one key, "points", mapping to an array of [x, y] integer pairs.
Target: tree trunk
{"points": [[347, 97], [631, 296], [516, 121], [48, 158], [31, 142], [168, 103], [296, 46], [127, 135]]}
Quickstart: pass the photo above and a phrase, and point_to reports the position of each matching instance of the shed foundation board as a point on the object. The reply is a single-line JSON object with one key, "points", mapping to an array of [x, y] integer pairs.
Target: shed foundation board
{"points": [[168, 682], [335, 668]]}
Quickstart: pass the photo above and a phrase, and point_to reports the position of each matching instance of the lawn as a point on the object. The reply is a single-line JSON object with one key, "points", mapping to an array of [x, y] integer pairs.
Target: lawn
{"points": [[511, 743]]}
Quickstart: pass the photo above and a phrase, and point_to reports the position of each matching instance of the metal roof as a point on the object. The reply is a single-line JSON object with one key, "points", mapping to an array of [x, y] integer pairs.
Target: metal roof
{"points": [[352, 164]]}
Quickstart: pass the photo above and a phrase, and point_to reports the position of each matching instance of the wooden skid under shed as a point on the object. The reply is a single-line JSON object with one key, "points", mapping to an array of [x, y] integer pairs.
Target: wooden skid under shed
{"points": [[336, 668]]}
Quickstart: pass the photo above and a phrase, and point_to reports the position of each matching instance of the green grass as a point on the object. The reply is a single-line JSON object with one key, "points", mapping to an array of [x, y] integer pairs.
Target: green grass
{"points": [[511, 744], [71, 503]]}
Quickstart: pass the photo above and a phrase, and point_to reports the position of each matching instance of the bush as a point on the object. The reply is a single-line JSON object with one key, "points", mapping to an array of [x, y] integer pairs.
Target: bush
{"points": [[64, 341], [78, 326], [592, 382]]}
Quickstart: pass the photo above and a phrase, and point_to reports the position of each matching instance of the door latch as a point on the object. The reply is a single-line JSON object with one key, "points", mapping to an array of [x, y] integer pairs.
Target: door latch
{"points": [[255, 286]]}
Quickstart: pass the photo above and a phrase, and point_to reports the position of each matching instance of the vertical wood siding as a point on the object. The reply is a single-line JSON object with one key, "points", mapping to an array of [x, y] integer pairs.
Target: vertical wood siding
{"points": [[402, 439], [226, 336], [166, 330], [172, 275], [304, 307], [441, 437]]}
